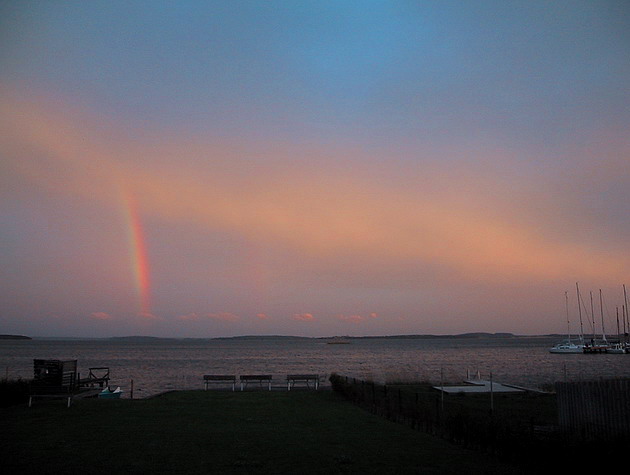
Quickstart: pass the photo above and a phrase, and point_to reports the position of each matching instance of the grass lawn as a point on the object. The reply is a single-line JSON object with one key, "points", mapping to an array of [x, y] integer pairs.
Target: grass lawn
{"points": [[193, 432], [525, 408]]}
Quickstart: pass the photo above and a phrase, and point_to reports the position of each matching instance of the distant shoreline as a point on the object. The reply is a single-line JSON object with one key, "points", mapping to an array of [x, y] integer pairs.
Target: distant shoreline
{"points": [[144, 338]]}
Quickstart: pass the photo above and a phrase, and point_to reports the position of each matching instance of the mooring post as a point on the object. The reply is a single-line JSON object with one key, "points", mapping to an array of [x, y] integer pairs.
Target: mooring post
{"points": [[131, 391]]}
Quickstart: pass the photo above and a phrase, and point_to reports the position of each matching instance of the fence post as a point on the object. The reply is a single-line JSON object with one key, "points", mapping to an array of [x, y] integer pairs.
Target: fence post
{"points": [[442, 388], [491, 395]]}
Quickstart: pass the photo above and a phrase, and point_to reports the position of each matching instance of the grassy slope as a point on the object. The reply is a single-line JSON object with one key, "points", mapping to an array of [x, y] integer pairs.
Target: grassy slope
{"points": [[223, 432]]}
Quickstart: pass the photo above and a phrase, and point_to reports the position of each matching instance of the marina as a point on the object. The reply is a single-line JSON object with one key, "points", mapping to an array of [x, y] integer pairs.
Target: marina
{"points": [[618, 345]]}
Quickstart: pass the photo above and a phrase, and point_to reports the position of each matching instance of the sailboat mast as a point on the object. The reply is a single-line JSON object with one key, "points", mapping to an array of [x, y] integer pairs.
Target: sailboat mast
{"points": [[618, 334], [580, 311], [566, 304], [625, 298], [592, 316], [601, 312]]}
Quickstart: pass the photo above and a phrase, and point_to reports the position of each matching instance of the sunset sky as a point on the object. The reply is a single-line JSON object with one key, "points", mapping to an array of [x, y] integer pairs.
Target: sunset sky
{"points": [[316, 168]]}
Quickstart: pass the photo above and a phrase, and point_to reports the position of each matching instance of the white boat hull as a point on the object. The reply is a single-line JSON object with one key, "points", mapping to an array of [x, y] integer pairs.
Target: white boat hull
{"points": [[567, 347], [566, 350]]}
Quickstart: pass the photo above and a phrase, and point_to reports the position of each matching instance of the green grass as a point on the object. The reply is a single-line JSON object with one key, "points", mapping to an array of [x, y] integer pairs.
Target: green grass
{"points": [[196, 432], [527, 408]]}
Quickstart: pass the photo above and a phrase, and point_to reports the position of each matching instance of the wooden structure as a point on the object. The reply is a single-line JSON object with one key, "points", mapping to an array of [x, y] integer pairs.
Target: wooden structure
{"points": [[219, 379], [97, 376], [259, 378], [293, 379], [53, 379], [596, 410]]}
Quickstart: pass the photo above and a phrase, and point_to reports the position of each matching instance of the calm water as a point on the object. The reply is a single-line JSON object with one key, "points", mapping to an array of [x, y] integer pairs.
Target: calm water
{"points": [[163, 365]]}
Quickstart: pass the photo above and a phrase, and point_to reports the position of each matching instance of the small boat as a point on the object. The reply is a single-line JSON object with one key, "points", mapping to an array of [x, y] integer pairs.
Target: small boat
{"points": [[567, 346], [596, 346], [617, 349], [107, 393], [338, 340]]}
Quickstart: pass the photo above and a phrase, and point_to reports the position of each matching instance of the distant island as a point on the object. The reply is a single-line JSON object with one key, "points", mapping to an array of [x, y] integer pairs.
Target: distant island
{"points": [[433, 337], [476, 335], [15, 337]]}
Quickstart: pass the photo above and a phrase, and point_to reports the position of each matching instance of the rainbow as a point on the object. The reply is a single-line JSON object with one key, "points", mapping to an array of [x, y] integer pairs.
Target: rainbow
{"points": [[138, 252]]}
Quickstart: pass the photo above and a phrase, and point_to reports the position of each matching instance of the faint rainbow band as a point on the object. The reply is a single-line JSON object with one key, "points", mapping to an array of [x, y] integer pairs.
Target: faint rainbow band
{"points": [[138, 252]]}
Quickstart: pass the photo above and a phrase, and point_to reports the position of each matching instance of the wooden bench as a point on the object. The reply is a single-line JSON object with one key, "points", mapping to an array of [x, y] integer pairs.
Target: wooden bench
{"points": [[53, 392], [292, 379], [260, 378], [219, 379]]}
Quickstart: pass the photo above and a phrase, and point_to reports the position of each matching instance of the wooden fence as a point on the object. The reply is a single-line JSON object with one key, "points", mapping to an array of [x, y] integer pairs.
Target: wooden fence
{"points": [[593, 417], [594, 410], [478, 429]]}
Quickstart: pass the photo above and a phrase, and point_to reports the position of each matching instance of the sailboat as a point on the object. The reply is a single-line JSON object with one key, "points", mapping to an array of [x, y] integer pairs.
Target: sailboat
{"points": [[568, 346], [621, 347], [602, 345]]}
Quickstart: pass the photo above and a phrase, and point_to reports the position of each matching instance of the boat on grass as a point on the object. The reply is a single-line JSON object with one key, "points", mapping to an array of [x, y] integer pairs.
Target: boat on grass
{"points": [[107, 393]]}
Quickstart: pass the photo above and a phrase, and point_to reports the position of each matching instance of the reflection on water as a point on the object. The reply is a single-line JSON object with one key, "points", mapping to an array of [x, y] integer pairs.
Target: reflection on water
{"points": [[157, 366]]}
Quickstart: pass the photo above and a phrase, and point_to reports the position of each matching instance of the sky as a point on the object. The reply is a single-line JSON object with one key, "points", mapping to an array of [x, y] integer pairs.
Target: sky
{"points": [[313, 168]]}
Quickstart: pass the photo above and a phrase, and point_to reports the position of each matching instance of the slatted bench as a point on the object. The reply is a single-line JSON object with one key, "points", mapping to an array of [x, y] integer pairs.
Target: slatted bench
{"points": [[52, 392], [292, 379], [259, 378], [219, 379]]}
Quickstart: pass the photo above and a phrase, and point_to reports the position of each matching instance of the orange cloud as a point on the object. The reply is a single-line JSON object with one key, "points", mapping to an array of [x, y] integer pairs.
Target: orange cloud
{"points": [[441, 222], [224, 316], [356, 318], [303, 317], [196, 317], [262, 316], [190, 317], [350, 318], [101, 316], [148, 316]]}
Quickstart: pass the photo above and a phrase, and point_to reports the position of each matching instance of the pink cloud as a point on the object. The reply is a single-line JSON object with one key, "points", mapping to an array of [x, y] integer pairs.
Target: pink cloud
{"points": [[148, 316], [356, 318], [188, 317], [195, 317], [350, 318], [224, 316], [262, 316], [303, 317], [100, 316]]}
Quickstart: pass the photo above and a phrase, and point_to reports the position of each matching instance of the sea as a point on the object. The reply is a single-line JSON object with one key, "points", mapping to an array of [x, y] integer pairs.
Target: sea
{"points": [[147, 367]]}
